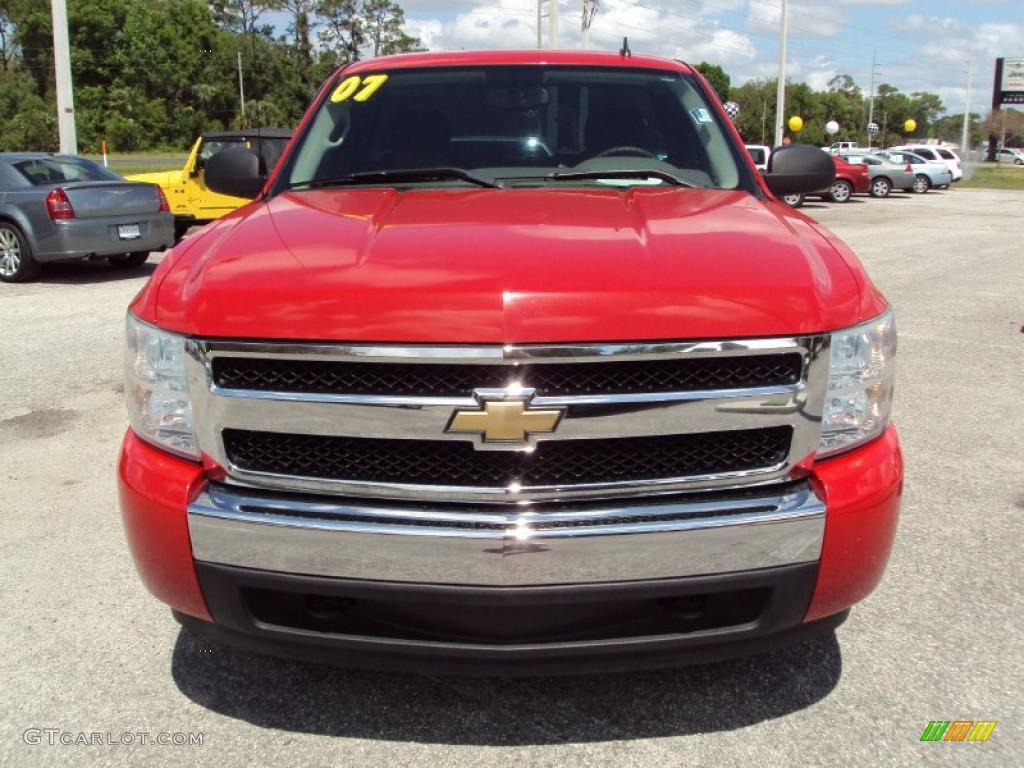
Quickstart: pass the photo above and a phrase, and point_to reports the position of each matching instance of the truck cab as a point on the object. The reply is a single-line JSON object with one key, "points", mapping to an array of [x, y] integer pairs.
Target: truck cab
{"points": [[192, 202]]}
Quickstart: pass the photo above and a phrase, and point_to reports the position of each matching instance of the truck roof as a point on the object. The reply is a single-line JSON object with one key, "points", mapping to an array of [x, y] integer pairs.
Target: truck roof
{"points": [[522, 57]]}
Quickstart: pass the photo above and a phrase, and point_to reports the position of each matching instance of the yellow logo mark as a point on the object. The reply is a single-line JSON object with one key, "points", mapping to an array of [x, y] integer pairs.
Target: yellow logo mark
{"points": [[982, 730], [505, 421]]}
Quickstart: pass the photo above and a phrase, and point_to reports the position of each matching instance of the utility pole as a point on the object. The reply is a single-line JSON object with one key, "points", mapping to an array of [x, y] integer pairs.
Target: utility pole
{"points": [[552, 24], [780, 93], [871, 108], [540, 15], [241, 88], [965, 135], [589, 11], [62, 79]]}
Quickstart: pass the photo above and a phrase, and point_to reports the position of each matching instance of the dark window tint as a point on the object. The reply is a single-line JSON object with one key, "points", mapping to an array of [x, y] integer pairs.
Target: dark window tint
{"points": [[269, 150], [517, 122], [63, 170]]}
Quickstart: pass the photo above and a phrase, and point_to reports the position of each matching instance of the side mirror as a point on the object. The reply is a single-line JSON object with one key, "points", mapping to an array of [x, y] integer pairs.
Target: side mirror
{"points": [[234, 172], [798, 168]]}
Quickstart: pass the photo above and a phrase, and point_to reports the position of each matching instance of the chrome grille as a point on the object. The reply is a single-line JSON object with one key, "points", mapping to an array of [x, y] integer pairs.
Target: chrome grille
{"points": [[643, 418], [554, 463]]}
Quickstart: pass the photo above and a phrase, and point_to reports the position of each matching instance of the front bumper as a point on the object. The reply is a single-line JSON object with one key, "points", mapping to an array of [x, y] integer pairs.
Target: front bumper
{"points": [[79, 238], [666, 581]]}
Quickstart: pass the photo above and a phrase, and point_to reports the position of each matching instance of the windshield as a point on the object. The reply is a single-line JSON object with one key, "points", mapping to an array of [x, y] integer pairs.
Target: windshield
{"points": [[63, 170], [520, 124]]}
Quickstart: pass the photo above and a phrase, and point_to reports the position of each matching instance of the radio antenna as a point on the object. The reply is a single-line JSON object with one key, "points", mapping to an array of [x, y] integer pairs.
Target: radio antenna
{"points": [[624, 51]]}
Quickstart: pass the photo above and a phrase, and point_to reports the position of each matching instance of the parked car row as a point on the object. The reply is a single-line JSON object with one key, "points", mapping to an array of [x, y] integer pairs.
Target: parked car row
{"points": [[57, 207], [879, 172]]}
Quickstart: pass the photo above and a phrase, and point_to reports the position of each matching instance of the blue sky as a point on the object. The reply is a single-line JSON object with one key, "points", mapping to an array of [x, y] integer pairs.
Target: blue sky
{"points": [[920, 45]]}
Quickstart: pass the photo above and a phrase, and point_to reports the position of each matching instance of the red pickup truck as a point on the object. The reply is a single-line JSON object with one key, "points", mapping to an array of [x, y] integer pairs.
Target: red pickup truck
{"points": [[514, 364]]}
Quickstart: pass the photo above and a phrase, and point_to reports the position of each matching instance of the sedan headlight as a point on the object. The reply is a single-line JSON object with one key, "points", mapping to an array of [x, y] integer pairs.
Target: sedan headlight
{"points": [[157, 389], [860, 385]]}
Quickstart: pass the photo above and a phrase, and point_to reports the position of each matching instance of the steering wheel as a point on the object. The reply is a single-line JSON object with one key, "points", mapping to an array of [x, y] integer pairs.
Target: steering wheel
{"points": [[627, 151]]}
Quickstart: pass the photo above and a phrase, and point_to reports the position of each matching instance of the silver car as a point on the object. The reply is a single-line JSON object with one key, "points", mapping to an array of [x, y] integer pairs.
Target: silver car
{"points": [[900, 170], [926, 174], [1010, 155], [62, 207]]}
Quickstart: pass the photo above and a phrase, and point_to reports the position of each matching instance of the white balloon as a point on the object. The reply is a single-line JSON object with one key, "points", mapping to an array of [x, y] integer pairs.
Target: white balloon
{"points": [[831, 127]]}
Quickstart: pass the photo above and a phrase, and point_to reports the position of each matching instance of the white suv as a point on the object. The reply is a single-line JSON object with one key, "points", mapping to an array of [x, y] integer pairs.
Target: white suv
{"points": [[936, 154]]}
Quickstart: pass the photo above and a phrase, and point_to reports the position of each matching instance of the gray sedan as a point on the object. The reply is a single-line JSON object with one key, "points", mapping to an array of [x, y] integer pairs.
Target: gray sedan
{"points": [[900, 170], [927, 174], [62, 207]]}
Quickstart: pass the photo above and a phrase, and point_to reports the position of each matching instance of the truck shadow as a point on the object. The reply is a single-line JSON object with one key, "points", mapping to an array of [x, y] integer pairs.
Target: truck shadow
{"points": [[87, 272], [326, 700]]}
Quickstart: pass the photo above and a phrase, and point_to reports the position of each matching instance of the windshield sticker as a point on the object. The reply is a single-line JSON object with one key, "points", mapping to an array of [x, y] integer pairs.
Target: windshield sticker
{"points": [[357, 88], [700, 115]]}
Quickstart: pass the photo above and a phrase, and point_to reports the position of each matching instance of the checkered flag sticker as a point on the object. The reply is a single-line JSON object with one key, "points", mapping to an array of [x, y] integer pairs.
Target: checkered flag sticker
{"points": [[732, 109]]}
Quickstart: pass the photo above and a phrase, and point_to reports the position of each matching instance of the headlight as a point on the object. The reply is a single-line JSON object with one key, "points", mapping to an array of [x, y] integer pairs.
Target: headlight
{"points": [[157, 389], [860, 384]]}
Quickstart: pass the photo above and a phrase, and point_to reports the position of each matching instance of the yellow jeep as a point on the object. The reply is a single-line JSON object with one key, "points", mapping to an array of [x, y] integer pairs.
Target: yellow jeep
{"points": [[192, 202]]}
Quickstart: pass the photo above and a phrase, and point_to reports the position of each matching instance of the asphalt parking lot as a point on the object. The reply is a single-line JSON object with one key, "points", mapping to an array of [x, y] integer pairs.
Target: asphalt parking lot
{"points": [[83, 647]]}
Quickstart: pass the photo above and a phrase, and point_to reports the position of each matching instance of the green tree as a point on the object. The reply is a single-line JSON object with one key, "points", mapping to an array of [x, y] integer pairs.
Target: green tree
{"points": [[344, 30], [385, 28], [717, 77], [29, 121], [756, 120], [301, 28]]}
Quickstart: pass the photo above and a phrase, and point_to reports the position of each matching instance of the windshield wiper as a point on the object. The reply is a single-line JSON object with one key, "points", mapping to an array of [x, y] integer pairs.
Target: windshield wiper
{"points": [[442, 173], [649, 173]]}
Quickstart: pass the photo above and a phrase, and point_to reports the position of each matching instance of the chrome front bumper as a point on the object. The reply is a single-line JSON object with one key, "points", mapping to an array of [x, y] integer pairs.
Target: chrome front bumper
{"points": [[666, 537]]}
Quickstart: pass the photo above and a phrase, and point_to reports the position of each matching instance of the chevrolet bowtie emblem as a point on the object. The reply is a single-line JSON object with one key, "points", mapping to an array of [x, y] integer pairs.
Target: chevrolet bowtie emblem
{"points": [[505, 420]]}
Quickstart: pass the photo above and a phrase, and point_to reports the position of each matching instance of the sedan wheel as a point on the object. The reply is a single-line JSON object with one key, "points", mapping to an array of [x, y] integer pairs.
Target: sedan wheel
{"points": [[880, 188], [841, 192], [794, 201], [921, 184], [16, 262]]}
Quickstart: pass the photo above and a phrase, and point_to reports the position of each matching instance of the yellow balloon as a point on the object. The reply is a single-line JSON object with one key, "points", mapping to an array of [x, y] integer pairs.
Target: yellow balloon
{"points": [[910, 126], [796, 124]]}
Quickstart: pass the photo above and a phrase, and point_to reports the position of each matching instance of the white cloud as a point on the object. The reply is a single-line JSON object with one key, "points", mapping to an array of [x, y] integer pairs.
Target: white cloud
{"points": [[922, 50], [651, 30], [803, 18]]}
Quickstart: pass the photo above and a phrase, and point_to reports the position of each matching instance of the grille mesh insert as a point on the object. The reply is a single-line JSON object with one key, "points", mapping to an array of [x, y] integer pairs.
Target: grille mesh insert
{"points": [[549, 379], [457, 463]]}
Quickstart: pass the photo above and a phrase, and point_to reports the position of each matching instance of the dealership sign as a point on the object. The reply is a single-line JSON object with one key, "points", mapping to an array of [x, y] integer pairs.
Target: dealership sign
{"points": [[1009, 82]]}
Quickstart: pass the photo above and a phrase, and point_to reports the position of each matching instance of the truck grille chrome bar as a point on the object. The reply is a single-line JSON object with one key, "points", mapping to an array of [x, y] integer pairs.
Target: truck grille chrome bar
{"points": [[634, 419]]}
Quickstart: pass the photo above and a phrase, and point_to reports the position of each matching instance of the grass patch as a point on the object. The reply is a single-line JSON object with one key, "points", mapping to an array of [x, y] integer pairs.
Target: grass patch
{"points": [[127, 163], [993, 176]]}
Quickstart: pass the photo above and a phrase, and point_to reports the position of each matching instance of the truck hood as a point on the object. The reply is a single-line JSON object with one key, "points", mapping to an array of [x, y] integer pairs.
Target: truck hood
{"points": [[504, 266]]}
